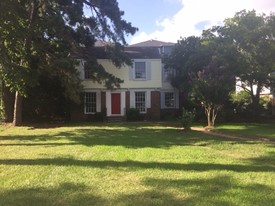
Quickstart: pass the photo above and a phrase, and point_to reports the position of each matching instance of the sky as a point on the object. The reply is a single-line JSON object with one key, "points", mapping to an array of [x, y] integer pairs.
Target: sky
{"points": [[170, 20]]}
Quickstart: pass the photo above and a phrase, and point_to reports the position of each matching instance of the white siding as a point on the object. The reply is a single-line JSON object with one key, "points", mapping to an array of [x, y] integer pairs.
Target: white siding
{"points": [[148, 71], [153, 73]]}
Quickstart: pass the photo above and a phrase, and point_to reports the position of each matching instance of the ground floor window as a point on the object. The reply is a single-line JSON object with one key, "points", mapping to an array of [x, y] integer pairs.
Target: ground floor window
{"points": [[169, 99], [140, 101], [90, 102]]}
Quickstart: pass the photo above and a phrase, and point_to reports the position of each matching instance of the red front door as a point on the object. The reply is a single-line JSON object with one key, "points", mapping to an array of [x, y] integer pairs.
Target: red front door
{"points": [[115, 98]]}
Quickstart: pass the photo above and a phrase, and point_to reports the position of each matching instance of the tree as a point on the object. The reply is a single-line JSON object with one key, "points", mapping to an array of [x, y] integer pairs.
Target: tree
{"points": [[212, 86], [41, 35], [203, 72], [184, 60], [253, 37]]}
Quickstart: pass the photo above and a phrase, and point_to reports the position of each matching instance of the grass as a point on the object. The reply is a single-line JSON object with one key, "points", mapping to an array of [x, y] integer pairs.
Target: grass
{"points": [[249, 129], [132, 164]]}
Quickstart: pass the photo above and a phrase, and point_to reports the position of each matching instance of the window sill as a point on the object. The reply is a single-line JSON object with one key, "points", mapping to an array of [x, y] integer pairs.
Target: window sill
{"points": [[143, 112], [139, 79]]}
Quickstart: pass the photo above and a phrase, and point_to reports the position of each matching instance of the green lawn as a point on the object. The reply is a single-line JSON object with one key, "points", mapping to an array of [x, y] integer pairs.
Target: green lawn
{"points": [[249, 129], [132, 164]]}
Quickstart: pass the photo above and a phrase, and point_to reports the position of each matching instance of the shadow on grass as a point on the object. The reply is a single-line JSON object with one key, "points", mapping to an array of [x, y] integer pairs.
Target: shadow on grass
{"points": [[70, 194], [141, 137], [40, 138], [250, 130], [151, 197], [64, 194], [136, 165], [219, 190], [129, 136]]}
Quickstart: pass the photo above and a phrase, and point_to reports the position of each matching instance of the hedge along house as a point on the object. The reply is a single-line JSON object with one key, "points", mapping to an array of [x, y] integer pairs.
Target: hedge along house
{"points": [[146, 86]]}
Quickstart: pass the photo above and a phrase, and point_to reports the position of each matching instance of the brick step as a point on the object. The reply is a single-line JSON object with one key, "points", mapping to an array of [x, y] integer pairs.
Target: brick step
{"points": [[115, 119]]}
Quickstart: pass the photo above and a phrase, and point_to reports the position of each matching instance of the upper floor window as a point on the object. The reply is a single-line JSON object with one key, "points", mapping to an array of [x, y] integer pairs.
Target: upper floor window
{"points": [[88, 74], [140, 70], [168, 74], [90, 102]]}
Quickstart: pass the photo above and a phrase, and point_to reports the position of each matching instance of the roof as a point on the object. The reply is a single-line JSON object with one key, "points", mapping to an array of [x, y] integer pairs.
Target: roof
{"points": [[150, 49], [101, 43], [152, 43], [133, 52], [143, 52]]}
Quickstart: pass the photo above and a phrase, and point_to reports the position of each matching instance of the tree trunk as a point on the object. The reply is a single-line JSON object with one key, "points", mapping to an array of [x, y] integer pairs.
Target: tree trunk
{"points": [[211, 112], [17, 116], [8, 103], [213, 116], [208, 115], [208, 120], [256, 103]]}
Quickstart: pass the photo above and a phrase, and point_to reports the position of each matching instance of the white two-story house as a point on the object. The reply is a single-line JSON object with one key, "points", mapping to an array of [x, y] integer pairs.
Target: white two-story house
{"points": [[145, 86]]}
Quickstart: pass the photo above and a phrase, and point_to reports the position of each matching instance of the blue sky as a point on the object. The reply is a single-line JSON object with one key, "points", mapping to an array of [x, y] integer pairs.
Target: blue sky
{"points": [[169, 20], [145, 17]]}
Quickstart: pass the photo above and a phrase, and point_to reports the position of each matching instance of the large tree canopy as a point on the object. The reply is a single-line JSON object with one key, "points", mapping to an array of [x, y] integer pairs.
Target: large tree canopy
{"points": [[39, 36], [184, 59], [202, 71], [244, 47], [254, 38]]}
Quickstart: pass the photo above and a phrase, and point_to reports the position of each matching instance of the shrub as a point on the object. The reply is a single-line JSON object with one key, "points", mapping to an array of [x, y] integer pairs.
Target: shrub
{"points": [[133, 115], [243, 103], [187, 118], [97, 117], [168, 115]]}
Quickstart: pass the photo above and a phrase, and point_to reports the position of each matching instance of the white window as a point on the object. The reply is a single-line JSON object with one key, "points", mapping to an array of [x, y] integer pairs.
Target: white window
{"points": [[168, 74], [88, 74], [90, 102], [169, 99], [140, 70], [140, 101]]}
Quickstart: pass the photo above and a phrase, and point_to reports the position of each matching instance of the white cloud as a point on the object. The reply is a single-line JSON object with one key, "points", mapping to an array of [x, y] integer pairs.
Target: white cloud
{"points": [[197, 15]]}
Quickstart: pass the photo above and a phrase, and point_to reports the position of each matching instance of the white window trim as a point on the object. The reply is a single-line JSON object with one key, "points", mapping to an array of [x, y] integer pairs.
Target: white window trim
{"points": [[80, 68], [147, 99], [134, 71], [176, 99], [98, 102], [87, 74], [148, 70], [167, 74]]}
